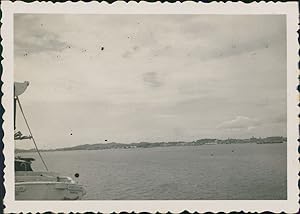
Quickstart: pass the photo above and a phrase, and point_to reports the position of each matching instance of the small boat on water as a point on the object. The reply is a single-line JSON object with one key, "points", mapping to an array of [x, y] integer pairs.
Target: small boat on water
{"points": [[40, 185]]}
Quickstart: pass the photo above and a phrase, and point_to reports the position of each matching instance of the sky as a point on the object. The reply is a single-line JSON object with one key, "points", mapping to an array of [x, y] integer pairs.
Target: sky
{"points": [[132, 78]]}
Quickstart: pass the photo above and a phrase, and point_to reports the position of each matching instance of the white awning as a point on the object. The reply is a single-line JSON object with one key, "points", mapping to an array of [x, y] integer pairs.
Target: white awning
{"points": [[20, 87]]}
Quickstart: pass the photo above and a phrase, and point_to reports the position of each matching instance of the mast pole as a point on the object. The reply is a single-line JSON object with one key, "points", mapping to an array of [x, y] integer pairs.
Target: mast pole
{"points": [[38, 151], [15, 114]]}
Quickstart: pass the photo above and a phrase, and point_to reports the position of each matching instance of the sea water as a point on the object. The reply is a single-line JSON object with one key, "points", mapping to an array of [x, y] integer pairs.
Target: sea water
{"points": [[207, 172]]}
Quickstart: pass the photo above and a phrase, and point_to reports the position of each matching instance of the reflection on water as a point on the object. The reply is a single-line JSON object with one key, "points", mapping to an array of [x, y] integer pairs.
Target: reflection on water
{"points": [[207, 172]]}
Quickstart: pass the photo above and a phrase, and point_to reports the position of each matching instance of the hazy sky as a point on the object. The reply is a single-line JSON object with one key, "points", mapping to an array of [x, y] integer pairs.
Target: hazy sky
{"points": [[157, 77]]}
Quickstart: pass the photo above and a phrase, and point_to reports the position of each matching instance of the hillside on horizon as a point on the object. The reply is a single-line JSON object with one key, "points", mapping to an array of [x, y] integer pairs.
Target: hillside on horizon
{"points": [[208, 141]]}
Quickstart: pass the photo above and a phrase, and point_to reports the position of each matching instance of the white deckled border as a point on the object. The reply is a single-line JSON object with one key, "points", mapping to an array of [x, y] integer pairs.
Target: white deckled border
{"points": [[290, 9]]}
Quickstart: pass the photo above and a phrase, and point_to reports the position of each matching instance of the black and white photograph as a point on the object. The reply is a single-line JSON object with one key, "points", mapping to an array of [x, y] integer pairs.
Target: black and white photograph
{"points": [[155, 107]]}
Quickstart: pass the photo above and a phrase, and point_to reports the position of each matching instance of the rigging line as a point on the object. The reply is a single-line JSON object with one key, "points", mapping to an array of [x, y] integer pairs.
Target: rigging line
{"points": [[17, 98]]}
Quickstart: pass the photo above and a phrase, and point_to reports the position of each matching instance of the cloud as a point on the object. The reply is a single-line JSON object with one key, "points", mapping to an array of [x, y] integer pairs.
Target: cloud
{"points": [[239, 123], [161, 51], [37, 38], [218, 41], [282, 118], [40, 42], [131, 52], [151, 79]]}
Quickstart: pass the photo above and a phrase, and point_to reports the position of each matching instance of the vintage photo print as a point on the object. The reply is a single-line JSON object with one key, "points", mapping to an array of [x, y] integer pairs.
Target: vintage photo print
{"points": [[150, 107]]}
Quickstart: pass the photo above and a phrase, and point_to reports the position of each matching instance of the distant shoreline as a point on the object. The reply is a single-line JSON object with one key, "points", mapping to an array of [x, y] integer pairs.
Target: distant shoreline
{"points": [[207, 141]]}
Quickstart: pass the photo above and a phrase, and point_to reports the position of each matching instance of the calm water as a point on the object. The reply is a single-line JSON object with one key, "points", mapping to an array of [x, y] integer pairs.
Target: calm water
{"points": [[206, 172]]}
